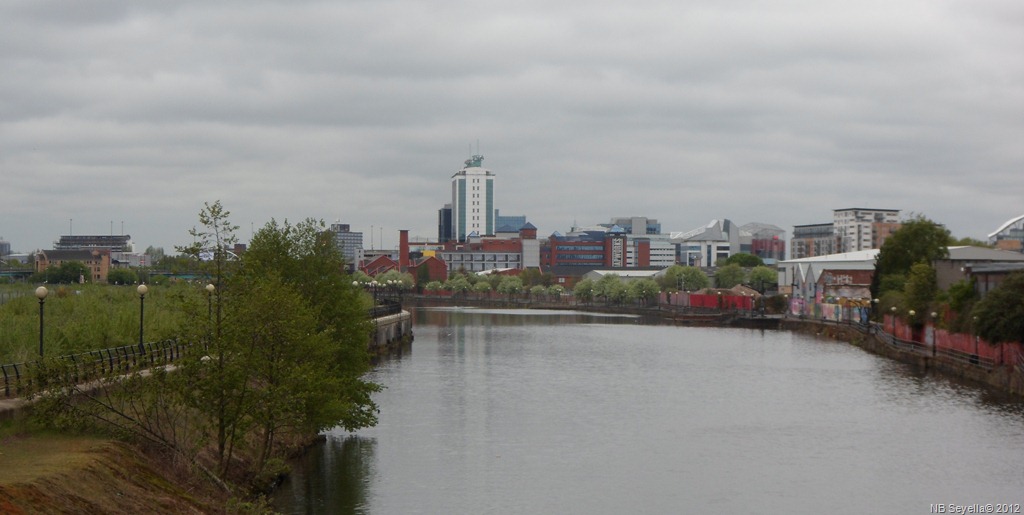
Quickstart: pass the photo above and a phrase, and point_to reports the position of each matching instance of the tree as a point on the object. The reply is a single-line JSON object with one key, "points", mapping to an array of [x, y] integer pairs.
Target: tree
{"points": [[968, 242], [510, 285], [482, 287], [434, 286], [584, 291], [918, 240], [961, 297], [458, 284], [644, 290], [672, 278], [742, 259], [556, 291], [921, 288], [605, 287], [761, 277], [1000, 314], [538, 291], [694, 279], [210, 248], [69, 272], [122, 276], [729, 275], [292, 350]]}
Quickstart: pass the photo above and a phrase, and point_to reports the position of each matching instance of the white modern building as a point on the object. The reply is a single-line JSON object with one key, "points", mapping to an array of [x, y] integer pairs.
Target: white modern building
{"points": [[861, 229], [706, 245], [473, 200]]}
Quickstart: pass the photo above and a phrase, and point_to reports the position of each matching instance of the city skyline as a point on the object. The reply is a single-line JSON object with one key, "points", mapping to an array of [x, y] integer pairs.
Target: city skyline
{"points": [[117, 112]]}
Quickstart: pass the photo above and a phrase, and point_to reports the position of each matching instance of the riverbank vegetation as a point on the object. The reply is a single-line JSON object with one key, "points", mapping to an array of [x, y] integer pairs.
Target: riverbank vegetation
{"points": [[279, 354]]}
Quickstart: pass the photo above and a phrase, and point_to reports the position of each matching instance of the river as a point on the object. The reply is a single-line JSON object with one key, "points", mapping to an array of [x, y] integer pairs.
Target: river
{"points": [[504, 411]]}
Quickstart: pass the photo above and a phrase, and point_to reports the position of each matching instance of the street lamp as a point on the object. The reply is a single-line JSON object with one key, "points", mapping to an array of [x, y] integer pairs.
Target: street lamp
{"points": [[935, 344], [893, 309], [974, 327], [41, 293], [142, 289]]}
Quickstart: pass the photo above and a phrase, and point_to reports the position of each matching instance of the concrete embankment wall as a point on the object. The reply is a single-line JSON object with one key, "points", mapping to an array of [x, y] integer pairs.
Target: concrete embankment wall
{"points": [[390, 333]]}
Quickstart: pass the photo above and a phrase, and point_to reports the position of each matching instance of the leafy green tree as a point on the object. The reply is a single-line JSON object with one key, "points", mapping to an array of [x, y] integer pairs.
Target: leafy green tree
{"points": [[422, 276], [584, 291], [729, 275], [1000, 314], [961, 297], [482, 287], [458, 284], [122, 276], [644, 290], [290, 297], [434, 286], [921, 288], [762, 277], [530, 277], [617, 292], [694, 279], [672, 278], [510, 285], [605, 287], [556, 290], [918, 240], [742, 259], [968, 242], [69, 272], [538, 291]]}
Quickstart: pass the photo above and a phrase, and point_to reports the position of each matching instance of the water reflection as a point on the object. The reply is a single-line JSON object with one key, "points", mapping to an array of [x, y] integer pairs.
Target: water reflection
{"points": [[524, 412], [331, 478]]}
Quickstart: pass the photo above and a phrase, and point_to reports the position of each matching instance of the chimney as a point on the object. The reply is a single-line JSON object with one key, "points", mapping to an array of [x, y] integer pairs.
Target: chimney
{"points": [[403, 250]]}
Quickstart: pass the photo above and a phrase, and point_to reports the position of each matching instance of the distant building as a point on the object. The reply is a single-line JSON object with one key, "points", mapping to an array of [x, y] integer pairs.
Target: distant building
{"points": [[636, 225], [5, 248], [1010, 235], [508, 223], [480, 254], [861, 229], [595, 249], [113, 243], [962, 262], [706, 245], [97, 261], [812, 240], [349, 243], [766, 241], [444, 224], [473, 200]]}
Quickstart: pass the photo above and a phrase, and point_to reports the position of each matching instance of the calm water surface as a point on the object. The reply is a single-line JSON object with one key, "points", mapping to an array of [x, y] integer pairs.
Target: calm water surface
{"points": [[525, 412]]}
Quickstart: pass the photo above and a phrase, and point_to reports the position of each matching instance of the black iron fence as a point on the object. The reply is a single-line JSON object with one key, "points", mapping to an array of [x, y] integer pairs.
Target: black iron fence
{"points": [[19, 379]]}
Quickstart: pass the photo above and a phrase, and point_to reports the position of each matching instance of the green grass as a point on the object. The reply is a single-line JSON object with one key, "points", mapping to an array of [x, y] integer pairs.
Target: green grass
{"points": [[80, 318]]}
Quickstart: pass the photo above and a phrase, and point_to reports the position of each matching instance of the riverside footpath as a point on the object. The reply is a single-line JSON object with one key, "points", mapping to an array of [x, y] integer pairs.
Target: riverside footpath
{"points": [[931, 349]]}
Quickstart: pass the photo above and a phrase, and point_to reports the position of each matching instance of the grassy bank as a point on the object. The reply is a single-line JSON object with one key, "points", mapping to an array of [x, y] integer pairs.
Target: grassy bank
{"points": [[50, 472]]}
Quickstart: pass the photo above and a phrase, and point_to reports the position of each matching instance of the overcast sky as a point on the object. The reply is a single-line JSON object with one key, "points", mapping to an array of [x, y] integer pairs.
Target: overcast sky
{"points": [[138, 112]]}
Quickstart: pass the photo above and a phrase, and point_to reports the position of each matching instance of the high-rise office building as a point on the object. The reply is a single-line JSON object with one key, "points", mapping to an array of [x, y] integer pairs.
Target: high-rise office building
{"points": [[861, 229], [473, 200], [348, 242]]}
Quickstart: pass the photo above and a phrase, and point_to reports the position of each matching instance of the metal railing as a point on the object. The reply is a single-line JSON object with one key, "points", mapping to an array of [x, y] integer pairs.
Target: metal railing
{"points": [[20, 378]]}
